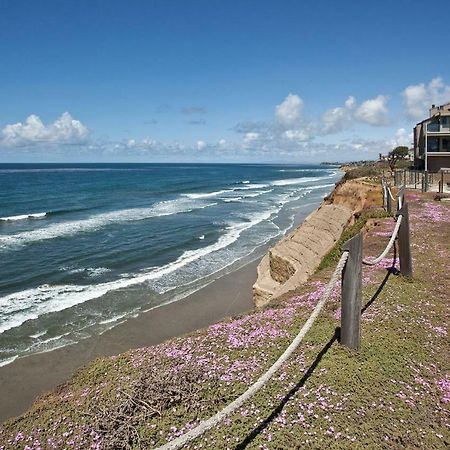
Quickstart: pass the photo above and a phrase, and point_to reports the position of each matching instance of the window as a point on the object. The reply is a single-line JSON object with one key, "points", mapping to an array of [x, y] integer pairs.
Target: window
{"points": [[433, 126], [433, 144], [446, 145], [445, 122]]}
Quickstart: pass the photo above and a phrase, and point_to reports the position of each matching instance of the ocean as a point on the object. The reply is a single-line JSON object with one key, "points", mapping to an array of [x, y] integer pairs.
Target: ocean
{"points": [[83, 247]]}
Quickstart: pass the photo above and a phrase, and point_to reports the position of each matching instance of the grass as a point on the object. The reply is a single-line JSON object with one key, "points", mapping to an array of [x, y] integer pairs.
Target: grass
{"points": [[394, 393], [362, 171], [332, 257]]}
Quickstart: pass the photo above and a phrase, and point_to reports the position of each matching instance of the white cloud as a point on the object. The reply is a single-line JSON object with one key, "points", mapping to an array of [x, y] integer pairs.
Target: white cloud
{"points": [[289, 111], [350, 102], [402, 137], [201, 145], [338, 119], [143, 144], [222, 142], [373, 111], [64, 130], [296, 135], [250, 137], [418, 98]]}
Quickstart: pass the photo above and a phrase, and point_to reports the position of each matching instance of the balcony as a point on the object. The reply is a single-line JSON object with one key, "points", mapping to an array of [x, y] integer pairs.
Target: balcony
{"points": [[438, 144], [438, 128]]}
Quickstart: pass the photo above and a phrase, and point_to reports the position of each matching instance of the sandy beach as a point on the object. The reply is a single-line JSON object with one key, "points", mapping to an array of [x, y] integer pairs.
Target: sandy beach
{"points": [[26, 378], [23, 380]]}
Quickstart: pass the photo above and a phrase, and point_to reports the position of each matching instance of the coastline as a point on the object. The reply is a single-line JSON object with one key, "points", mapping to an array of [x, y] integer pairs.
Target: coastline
{"points": [[26, 378], [23, 380]]}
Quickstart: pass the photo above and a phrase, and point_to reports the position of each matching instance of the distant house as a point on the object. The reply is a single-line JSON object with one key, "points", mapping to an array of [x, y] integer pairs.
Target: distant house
{"points": [[432, 140]]}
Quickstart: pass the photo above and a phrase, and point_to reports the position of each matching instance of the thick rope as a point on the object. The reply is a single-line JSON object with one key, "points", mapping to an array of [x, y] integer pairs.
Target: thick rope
{"points": [[372, 262], [254, 388], [390, 193]]}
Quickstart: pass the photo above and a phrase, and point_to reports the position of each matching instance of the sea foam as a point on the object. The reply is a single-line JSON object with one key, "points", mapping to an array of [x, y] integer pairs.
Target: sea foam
{"points": [[17, 308], [23, 217], [98, 221]]}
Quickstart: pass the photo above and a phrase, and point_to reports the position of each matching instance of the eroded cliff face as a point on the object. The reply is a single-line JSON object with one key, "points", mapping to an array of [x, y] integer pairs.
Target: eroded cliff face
{"points": [[293, 259]]}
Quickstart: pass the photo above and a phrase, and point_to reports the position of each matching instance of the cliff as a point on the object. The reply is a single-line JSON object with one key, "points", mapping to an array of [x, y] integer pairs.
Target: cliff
{"points": [[147, 397], [296, 257]]}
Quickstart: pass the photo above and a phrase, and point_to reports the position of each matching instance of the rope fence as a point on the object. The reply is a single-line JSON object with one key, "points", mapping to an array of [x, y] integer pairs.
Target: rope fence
{"points": [[373, 262], [263, 379], [349, 269]]}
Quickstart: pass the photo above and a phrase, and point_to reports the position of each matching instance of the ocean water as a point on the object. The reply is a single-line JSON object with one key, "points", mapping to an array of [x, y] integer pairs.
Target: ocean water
{"points": [[84, 247]]}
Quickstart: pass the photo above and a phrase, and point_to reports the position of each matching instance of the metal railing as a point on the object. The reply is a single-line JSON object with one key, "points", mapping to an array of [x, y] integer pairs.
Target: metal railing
{"points": [[423, 180]]}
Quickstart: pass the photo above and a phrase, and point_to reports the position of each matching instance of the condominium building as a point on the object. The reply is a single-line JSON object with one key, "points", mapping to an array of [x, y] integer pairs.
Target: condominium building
{"points": [[432, 140]]}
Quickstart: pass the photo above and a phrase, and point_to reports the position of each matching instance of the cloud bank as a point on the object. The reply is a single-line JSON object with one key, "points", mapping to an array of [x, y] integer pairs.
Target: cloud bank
{"points": [[63, 131], [418, 98], [289, 135]]}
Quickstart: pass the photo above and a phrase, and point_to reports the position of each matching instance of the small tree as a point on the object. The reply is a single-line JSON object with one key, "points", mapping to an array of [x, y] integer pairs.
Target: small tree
{"points": [[398, 153]]}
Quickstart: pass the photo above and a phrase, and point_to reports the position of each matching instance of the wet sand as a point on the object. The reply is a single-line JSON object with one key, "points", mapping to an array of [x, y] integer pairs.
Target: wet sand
{"points": [[26, 378]]}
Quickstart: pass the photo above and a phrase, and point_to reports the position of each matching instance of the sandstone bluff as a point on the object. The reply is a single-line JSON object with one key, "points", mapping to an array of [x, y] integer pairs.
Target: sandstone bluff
{"points": [[296, 257]]}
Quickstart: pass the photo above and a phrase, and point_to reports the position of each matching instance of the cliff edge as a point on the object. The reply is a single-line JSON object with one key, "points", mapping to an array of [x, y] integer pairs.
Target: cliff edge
{"points": [[296, 257]]}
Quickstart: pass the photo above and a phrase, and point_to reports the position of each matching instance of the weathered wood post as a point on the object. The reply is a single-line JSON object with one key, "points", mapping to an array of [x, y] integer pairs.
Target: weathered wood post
{"points": [[352, 294], [441, 186], [388, 201], [404, 245], [396, 177], [400, 198], [385, 193]]}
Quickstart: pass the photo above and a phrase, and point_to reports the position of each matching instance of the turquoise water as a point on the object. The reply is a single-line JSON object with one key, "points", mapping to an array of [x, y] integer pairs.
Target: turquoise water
{"points": [[83, 247]]}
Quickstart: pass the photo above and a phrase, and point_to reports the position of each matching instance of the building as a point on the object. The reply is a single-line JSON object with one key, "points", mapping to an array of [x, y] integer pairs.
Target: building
{"points": [[432, 140]]}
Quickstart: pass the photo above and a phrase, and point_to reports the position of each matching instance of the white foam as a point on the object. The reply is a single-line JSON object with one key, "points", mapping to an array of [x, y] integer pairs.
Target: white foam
{"points": [[52, 339], [113, 319], [232, 199], [252, 186], [293, 181], [258, 193], [323, 186], [202, 237], [8, 361], [17, 308], [98, 221], [23, 217], [305, 170], [207, 194], [90, 271], [35, 336], [245, 182]]}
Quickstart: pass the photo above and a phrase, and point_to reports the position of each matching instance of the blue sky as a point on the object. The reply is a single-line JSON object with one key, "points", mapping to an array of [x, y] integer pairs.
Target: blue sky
{"points": [[254, 81]]}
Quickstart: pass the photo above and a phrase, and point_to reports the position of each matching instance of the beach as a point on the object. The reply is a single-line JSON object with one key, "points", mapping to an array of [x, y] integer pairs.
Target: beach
{"points": [[23, 380], [207, 284], [26, 378]]}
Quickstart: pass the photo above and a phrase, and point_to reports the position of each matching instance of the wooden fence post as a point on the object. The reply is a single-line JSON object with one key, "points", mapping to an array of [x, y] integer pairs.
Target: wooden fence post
{"points": [[388, 201], [404, 247], [400, 198], [352, 294]]}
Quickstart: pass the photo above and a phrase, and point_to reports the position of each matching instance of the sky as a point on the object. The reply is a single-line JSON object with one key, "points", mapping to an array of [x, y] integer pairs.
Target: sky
{"points": [[216, 81]]}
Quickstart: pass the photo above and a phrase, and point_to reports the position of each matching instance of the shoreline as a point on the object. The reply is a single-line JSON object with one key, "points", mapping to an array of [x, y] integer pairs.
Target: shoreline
{"points": [[25, 379]]}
